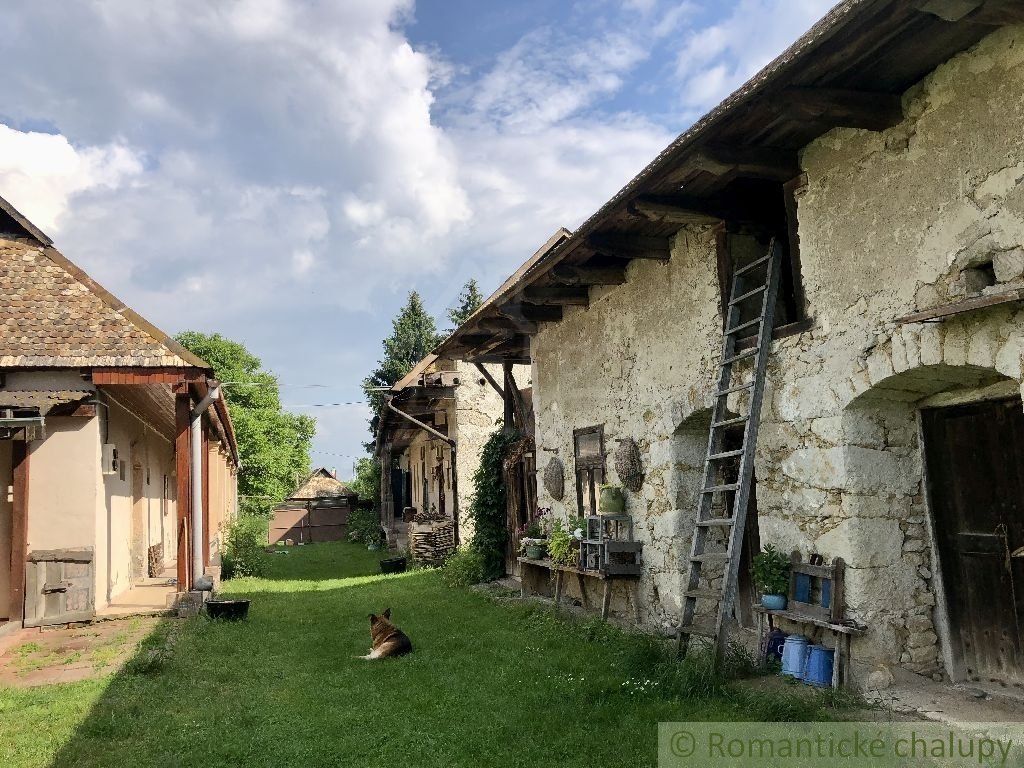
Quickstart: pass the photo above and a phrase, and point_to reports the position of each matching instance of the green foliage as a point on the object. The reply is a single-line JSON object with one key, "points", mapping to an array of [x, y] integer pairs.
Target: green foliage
{"points": [[367, 481], [413, 336], [245, 541], [273, 445], [468, 302], [563, 548], [464, 568], [487, 511], [364, 524], [771, 571]]}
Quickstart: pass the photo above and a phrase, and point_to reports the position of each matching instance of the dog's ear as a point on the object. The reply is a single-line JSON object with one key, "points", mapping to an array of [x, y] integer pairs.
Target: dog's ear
{"points": [[387, 613], [373, 619]]}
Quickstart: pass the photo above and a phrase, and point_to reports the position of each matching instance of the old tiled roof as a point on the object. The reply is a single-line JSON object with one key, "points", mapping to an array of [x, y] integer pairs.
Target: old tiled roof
{"points": [[52, 314], [321, 484], [44, 400]]}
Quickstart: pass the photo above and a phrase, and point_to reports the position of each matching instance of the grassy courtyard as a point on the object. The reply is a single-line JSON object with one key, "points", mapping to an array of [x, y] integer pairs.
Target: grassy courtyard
{"points": [[491, 682]]}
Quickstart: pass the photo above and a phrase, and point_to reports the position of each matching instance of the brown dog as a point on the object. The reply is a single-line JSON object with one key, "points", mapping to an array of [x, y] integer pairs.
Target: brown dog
{"points": [[386, 639]]}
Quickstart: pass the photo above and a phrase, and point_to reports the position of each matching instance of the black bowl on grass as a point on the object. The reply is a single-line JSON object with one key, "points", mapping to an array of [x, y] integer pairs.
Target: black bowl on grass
{"points": [[229, 610], [393, 565]]}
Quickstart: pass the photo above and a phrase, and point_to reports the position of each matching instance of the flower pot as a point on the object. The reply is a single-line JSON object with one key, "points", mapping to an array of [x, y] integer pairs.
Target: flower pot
{"points": [[774, 602], [229, 610], [612, 501], [536, 551]]}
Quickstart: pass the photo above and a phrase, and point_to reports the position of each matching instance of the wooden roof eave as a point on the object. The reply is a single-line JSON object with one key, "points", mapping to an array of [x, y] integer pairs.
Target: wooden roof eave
{"points": [[849, 70]]}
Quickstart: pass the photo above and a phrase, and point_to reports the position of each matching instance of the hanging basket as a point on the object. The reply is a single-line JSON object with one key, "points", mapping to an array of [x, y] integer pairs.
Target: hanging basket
{"points": [[628, 466], [554, 479]]}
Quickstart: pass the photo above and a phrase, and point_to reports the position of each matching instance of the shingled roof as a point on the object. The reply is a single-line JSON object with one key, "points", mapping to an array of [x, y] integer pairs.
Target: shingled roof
{"points": [[54, 315]]}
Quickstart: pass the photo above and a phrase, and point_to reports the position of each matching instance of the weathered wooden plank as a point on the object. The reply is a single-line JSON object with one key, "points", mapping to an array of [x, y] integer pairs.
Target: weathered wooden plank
{"points": [[532, 312], [959, 307], [567, 274], [840, 107], [631, 246], [557, 294]]}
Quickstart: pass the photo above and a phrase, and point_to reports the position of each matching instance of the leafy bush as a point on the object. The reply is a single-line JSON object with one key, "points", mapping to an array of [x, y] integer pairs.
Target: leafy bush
{"points": [[244, 541], [563, 547], [464, 568], [487, 511], [364, 525]]}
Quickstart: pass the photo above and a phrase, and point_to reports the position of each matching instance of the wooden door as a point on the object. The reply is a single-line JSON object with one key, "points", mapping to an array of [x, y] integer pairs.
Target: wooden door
{"points": [[975, 474], [59, 587]]}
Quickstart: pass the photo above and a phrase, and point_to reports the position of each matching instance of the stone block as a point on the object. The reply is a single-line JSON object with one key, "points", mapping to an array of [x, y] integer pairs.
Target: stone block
{"points": [[867, 469], [983, 346], [921, 639], [1008, 358], [931, 344], [863, 542], [879, 366], [817, 467], [1008, 265], [954, 345]]}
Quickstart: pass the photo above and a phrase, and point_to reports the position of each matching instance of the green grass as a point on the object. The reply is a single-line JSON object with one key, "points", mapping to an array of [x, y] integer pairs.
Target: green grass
{"points": [[490, 683]]}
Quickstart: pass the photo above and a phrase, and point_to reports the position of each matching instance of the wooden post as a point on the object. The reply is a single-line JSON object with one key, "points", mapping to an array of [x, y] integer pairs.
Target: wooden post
{"points": [[206, 492], [19, 529], [606, 599], [182, 448], [509, 417]]}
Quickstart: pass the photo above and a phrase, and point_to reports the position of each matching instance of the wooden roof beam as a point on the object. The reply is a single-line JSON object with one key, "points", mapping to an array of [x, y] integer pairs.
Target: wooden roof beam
{"points": [[503, 323], [558, 295], [998, 13], [567, 274], [537, 313], [750, 162], [840, 108], [631, 246], [671, 213]]}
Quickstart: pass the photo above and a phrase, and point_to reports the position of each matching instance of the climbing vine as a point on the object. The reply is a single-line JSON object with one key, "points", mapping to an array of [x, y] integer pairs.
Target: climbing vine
{"points": [[487, 508]]}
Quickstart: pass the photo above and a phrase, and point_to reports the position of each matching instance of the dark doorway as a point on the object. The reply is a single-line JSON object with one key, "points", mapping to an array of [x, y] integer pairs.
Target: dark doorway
{"points": [[975, 474]]}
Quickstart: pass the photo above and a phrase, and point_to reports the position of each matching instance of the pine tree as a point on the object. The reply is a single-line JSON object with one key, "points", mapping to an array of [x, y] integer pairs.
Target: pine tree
{"points": [[468, 302], [414, 336]]}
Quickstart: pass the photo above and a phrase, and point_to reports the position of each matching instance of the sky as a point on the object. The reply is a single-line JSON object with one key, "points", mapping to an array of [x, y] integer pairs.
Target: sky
{"points": [[284, 172]]}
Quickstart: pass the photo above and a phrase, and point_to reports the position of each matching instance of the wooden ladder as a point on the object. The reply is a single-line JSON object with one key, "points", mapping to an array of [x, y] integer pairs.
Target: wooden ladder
{"points": [[717, 459]]}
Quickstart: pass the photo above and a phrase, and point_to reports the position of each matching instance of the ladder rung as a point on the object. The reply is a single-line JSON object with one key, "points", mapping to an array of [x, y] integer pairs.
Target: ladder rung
{"points": [[743, 326], [712, 522], [710, 557], [704, 594], [725, 455], [737, 388], [718, 488], [729, 422], [740, 356], [752, 265], [699, 630], [748, 294]]}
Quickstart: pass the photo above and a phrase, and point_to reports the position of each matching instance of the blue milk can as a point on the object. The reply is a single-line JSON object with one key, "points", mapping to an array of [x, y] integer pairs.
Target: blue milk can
{"points": [[794, 656], [818, 670]]}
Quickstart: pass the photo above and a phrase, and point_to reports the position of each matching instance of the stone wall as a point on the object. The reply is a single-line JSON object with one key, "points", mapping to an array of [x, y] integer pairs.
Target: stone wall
{"points": [[890, 222]]}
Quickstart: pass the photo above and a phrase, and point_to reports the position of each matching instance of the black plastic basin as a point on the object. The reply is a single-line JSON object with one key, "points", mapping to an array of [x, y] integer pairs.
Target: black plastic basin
{"points": [[393, 565], [229, 610]]}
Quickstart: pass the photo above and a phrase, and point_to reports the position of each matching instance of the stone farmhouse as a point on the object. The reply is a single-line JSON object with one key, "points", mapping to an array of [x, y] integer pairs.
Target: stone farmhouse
{"points": [[883, 154], [117, 455], [431, 434]]}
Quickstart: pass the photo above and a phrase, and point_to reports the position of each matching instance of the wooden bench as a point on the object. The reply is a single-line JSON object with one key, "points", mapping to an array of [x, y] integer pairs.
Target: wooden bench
{"points": [[816, 598], [560, 571]]}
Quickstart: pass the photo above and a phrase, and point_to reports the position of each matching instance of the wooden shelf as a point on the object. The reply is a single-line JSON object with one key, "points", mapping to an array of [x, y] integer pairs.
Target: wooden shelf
{"points": [[801, 618], [579, 571], [967, 305]]}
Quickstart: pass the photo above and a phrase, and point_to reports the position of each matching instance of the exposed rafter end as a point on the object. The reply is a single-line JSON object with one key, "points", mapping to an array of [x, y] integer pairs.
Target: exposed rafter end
{"points": [[841, 108], [631, 246], [558, 295], [570, 275], [671, 214], [948, 10], [536, 313]]}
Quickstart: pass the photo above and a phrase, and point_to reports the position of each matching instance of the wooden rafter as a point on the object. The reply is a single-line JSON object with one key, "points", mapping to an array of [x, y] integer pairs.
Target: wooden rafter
{"points": [[501, 323], [557, 295], [729, 162], [840, 108], [672, 213], [567, 274], [537, 313], [631, 246]]}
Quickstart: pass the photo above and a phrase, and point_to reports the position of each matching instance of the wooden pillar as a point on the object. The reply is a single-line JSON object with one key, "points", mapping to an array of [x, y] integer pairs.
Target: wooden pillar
{"points": [[182, 448], [206, 493], [508, 385], [19, 529]]}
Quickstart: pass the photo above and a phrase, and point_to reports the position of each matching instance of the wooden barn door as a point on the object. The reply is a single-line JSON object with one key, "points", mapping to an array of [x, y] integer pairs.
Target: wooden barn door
{"points": [[975, 460]]}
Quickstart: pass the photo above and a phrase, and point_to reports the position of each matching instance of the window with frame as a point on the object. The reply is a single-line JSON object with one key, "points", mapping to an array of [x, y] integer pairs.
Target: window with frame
{"points": [[588, 447]]}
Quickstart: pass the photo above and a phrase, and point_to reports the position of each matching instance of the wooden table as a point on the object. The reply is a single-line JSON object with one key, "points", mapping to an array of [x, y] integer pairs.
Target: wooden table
{"points": [[841, 632], [560, 572]]}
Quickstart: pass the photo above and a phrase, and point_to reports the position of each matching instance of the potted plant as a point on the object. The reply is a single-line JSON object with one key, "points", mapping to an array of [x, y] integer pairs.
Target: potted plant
{"points": [[532, 535], [771, 575], [535, 548], [562, 546], [612, 500]]}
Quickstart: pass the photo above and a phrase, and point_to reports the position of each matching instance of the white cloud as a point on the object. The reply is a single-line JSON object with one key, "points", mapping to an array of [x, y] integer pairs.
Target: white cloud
{"points": [[39, 172]]}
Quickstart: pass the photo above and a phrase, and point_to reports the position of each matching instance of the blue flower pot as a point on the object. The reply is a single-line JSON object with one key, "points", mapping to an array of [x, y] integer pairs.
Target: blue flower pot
{"points": [[774, 602]]}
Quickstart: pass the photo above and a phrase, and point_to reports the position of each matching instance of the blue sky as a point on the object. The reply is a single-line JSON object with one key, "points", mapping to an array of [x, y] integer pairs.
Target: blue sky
{"points": [[284, 172]]}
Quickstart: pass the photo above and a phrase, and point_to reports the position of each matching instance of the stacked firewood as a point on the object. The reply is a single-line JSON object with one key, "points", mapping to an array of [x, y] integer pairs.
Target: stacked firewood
{"points": [[432, 543]]}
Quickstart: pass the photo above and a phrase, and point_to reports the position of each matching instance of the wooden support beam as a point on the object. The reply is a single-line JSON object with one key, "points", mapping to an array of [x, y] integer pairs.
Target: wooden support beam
{"points": [[206, 492], [500, 323], [631, 246], [19, 529], [490, 380], [567, 274], [998, 13], [743, 161], [537, 313], [840, 108], [557, 294], [670, 213], [948, 10], [182, 449]]}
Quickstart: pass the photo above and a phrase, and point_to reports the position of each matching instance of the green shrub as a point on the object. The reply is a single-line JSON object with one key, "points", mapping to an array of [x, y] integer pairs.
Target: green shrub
{"points": [[464, 568], [487, 509], [771, 571], [563, 547], [364, 525], [244, 542]]}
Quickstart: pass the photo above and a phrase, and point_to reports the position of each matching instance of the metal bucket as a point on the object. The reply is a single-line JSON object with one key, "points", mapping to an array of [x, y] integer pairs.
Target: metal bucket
{"points": [[794, 656], [818, 667]]}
